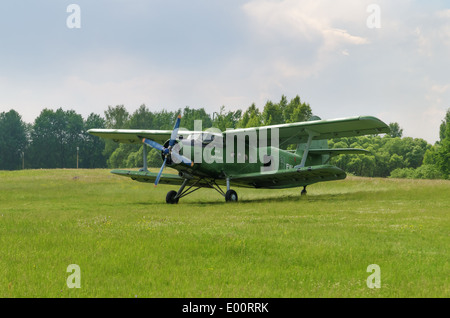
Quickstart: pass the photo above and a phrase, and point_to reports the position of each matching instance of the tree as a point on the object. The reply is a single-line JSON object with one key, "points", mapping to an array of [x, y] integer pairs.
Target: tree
{"points": [[272, 114], [425, 171], [442, 128], [443, 152], [142, 118], [439, 154], [116, 117], [73, 133], [165, 119], [296, 111], [189, 116], [250, 118], [396, 131], [224, 120], [395, 162], [55, 137], [13, 140], [44, 141], [91, 149], [388, 154]]}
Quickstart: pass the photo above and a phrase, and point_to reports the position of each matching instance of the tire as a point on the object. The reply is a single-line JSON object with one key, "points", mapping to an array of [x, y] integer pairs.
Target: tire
{"points": [[303, 193], [170, 197], [231, 196]]}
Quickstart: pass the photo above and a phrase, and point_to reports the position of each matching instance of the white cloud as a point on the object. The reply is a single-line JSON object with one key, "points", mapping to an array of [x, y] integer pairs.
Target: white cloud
{"points": [[440, 88], [444, 14], [308, 27]]}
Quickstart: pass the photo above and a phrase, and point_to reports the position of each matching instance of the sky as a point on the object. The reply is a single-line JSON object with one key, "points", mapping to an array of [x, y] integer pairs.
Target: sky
{"points": [[383, 58]]}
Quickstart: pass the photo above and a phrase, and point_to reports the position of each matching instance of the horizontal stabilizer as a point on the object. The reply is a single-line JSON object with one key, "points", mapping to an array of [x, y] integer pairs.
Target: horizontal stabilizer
{"points": [[339, 151]]}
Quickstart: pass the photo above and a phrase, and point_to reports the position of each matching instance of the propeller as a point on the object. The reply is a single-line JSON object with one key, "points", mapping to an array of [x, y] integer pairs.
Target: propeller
{"points": [[168, 151]]}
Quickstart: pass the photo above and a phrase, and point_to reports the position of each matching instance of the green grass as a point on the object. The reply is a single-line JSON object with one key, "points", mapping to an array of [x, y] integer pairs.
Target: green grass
{"points": [[129, 243]]}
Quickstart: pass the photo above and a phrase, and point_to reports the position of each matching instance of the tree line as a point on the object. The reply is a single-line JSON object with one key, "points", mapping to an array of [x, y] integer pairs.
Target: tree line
{"points": [[59, 139], [397, 157]]}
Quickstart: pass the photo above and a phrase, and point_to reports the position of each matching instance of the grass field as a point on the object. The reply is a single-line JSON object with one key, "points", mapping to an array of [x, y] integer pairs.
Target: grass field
{"points": [[129, 243]]}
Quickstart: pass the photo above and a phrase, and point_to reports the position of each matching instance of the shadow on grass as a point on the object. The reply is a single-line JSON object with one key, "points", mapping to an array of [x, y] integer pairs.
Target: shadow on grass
{"points": [[309, 198]]}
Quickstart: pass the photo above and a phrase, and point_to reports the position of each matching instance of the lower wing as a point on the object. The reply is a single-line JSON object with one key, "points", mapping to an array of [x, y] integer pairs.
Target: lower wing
{"points": [[295, 177]]}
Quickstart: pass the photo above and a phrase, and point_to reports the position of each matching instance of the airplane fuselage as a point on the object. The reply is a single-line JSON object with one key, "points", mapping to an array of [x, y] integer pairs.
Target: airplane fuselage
{"points": [[223, 162]]}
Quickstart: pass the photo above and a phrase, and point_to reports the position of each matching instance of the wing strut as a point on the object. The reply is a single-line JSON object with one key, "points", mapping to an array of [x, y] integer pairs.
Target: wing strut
{"points": [[311, 134], [144, 152]]}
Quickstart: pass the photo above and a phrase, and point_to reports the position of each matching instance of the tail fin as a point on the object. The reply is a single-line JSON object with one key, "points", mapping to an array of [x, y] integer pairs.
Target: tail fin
{"points": [[314, 159]]}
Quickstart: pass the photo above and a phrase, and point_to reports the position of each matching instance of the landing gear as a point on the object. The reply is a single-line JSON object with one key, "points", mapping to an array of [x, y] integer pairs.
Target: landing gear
{"points": [[171, 197], [303, 191], [231, 196]]}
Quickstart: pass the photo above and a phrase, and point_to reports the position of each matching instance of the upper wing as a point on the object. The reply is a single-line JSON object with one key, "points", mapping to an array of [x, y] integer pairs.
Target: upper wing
{"points": [[292, 133], [134, 135], [295, 133]]}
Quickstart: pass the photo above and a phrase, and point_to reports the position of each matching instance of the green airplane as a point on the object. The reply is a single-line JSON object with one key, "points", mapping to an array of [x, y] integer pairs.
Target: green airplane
{"points": [[251, 157]]}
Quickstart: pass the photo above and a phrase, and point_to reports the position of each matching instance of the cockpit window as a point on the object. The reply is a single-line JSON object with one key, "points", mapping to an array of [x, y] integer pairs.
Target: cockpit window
{"points": [[204, 137], [195, 136], [207, 138]]}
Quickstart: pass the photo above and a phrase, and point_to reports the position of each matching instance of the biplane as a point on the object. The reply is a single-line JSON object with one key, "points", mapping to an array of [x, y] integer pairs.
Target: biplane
{"points": [[269, 157]]}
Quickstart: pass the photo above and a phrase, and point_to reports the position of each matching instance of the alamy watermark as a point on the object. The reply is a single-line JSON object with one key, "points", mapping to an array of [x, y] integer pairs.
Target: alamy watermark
{"points": [[374, 19], [74, 279], [73, 21], [374, 280]]}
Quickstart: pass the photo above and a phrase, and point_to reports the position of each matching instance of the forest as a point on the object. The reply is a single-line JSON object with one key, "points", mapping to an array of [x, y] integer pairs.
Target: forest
{"points": [[59, 139]]}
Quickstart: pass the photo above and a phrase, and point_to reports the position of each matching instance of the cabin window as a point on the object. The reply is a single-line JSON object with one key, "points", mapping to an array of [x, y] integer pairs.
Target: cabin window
{"points": [[207, 138], [267, 161], [201, 138]]}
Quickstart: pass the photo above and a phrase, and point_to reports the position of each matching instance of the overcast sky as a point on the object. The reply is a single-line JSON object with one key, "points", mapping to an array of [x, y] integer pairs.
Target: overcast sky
{"points": [[206, 53]]}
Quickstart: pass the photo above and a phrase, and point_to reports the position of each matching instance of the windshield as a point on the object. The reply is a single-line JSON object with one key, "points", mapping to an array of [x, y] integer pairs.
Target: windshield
{"points": [[204, 137]]}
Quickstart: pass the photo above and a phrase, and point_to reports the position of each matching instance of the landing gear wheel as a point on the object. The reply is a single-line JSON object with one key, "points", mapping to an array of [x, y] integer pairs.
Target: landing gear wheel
{"points": [[231, 196], [303, 191], [170, 197]]}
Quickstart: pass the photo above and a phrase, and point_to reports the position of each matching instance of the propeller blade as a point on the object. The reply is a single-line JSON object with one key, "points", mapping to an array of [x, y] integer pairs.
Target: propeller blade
{"points": [[160, 172], [180, 158], [153, 144], [175, 131]]}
